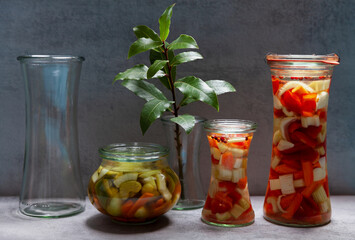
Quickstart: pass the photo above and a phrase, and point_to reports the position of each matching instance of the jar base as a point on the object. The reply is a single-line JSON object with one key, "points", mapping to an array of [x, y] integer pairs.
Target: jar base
{"points": [[189, 204], [227, 225], [51, 209], [294, 224]]}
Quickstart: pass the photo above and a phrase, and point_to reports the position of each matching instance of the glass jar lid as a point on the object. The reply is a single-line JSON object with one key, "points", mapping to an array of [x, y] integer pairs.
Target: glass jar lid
{"points": [[230, 126], [133, 152], [298, 61]]}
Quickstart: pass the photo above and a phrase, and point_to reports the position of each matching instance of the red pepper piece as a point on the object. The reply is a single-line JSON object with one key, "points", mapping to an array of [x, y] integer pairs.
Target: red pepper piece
{"points": [[292, 163], [310, 155], [214, 161], [307, 172], [292, 209], [235, 196], [208, 202], [305, 139], [312, 131], [275, 85], [316, 165], [294, 126], [298, 175], [230, 186], [221, 203], [299, 147], [286, 200], [242, 183], [278, 113], [273, 174], [309, 102], [310, 203], [322, 115], [291, 157], [300, 91], [292, 102], [268, 208], [310, 189], [285, 169]]}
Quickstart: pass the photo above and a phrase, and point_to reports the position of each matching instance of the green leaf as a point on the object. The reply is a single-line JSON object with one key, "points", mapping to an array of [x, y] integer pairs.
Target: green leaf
{"points": [[155, 67], [185, 57], [138, 72], [186, 121], [160, 56], [153, 56], [142, 45], [195, 88], [183, 41], [187, 100], [151, 111], [142, 31], [144, 89], [220, 86], [164, 22]]}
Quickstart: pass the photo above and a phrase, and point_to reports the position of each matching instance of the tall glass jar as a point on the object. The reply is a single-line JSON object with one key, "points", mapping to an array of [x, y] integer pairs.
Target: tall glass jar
{"points": [[228, 202], [134, 183], [297, 192], [51, 184], [184, 159]]}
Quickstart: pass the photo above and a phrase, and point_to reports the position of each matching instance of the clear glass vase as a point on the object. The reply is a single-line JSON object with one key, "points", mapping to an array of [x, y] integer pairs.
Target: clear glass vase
{"points": [[51, 184], [297, 192], [228, 201], [184, 160]]}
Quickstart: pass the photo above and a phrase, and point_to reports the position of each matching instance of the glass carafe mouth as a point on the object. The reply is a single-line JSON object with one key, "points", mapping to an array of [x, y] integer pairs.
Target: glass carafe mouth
{"points": [[133, 152], [54, 58], [230, 126], [299, 61]]}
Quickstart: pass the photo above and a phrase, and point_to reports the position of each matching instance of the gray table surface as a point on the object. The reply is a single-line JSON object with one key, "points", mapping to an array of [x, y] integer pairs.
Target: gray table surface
{"points": [[173, 225]]}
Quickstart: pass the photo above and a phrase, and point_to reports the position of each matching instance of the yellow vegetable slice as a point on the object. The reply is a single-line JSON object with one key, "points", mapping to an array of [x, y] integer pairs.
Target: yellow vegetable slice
{"points": [[129, 189], [124, 178], [223, 216]]}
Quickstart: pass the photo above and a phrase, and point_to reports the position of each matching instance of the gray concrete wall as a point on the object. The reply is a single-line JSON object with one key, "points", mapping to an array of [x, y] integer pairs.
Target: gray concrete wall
{"points": [[233, 36]]}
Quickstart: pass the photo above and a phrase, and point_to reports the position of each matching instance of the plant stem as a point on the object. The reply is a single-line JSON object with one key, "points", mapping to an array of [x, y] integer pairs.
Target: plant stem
{"points": [[177, 129]]}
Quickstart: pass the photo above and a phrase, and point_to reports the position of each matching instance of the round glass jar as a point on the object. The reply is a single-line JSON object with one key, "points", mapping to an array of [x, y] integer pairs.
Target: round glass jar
{"points": [[134, 183]]}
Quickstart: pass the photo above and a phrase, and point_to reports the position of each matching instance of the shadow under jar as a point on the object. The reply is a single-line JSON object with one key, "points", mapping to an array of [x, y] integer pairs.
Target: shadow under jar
{"points": [[228, 202], [134, 184], [297, 192]]}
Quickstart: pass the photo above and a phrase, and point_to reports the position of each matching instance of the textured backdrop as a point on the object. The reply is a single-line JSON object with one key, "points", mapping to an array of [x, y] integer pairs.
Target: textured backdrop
{"points": [[233, 37]]}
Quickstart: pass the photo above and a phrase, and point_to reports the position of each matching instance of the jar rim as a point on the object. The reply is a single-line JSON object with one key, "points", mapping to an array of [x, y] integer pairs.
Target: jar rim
{"points": [[327, 59], [133, 152], [230, 126], [50, 57]]}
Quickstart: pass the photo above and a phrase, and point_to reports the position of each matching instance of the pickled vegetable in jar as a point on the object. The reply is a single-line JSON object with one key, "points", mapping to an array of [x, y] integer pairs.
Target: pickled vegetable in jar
{"points": [[134, 183], [297, 192], [228, 202]]}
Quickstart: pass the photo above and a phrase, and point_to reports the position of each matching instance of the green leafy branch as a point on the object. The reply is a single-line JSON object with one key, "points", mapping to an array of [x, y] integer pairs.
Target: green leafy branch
{"points": [[163, 66]]}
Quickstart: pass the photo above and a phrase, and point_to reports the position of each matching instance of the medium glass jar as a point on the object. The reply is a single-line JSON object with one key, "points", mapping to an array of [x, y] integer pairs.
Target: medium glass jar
{"points": [[297, 192], [134, 183], [228, 202]]}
